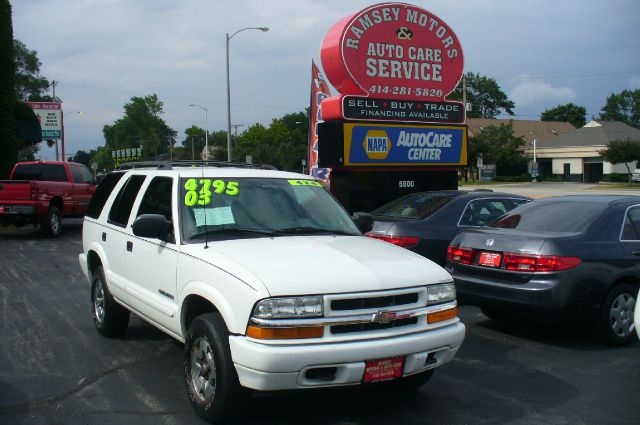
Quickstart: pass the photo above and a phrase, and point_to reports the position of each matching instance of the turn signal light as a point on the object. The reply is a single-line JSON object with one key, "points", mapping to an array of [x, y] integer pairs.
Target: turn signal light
{"points": [[441, 316], [539, 263], [285, 333], [403, 241], [460, 254]]}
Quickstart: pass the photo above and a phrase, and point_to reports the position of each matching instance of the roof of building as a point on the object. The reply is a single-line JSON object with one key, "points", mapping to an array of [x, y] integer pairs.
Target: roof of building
{"points": [[528, 129], [595, 133]]}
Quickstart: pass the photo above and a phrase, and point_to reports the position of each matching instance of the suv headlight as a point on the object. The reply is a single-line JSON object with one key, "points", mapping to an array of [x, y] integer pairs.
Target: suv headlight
{"points": [[291, 307], [441, 293]]}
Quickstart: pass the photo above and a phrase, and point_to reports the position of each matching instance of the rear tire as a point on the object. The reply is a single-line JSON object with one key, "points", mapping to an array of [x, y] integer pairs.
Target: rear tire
{"points": [[615, 325], [109, 317], [52, 223], [210, 376]]}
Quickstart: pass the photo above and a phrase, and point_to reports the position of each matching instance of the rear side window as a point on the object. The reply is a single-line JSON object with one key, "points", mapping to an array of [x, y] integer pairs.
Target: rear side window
{"points": [[481, 212], [102, 193], [40, 172], [417, 206], [123, 204], [553, 217], [631, 226]]}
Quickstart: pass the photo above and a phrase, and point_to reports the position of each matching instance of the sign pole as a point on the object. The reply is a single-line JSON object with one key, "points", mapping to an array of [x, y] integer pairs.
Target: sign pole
{"points": [[64, 158]]}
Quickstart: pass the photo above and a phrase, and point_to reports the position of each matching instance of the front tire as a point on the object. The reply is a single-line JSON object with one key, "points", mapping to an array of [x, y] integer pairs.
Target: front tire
{"points": [[615, 325], [210, 376], [109, 317], [52, 223]]}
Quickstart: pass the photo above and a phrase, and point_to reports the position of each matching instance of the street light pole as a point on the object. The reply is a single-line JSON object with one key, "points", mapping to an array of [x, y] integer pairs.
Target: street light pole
{"points": [[229, 37], [206, 131]]}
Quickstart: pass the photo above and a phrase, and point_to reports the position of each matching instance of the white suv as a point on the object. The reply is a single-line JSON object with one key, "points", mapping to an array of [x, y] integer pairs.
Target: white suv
{"points": [[267, 281]]}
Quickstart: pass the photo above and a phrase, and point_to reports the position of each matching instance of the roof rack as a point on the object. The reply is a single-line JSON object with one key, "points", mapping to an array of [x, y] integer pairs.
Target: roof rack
{"points": [[168, 165]]}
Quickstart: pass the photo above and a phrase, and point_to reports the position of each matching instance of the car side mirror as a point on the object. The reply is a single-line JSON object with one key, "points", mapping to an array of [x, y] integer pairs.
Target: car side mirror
{"points": [[363, 220], [154, 226]]}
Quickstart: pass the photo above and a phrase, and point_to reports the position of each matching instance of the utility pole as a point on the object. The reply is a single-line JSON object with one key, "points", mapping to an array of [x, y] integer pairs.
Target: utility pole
{"points": [[235, 129], [53, 85]]}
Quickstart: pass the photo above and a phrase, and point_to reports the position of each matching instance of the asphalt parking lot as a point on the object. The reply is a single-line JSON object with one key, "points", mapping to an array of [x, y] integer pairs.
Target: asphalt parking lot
{"points": [[56, 369]]}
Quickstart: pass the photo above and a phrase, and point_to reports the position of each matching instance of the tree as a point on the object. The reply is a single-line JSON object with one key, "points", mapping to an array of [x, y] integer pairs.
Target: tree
{"points": [[30, 85], [485, 96], [283, 144], [8, 144], [624, 106], [622, 152], [141, 126], [573, 114], [81, 157], [498, 144]]}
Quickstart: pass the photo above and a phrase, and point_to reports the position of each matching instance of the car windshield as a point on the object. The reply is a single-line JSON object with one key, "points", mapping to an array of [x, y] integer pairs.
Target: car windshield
{"points": [[552, 216], [232, 208], [416, 206]]}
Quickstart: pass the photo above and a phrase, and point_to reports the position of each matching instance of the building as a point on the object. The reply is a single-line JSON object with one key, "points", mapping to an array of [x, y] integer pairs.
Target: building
{"points": [[574, 156], [529, 130]]}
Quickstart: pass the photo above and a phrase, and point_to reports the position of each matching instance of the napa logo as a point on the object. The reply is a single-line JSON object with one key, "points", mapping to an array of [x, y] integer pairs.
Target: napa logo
{"points": [[376, 144]]}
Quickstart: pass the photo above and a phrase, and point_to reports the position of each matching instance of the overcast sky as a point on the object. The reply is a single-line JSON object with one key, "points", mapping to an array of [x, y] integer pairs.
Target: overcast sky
{"points": [[103, 52]]}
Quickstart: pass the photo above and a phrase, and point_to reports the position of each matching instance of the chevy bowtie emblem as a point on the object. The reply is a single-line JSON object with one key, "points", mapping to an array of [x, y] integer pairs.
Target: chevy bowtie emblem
{"points": [[490, 242], [383, 317]]}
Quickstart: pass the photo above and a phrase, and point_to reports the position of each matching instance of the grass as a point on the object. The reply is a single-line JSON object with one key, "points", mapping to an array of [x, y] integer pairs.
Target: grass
{"points": [[483, 183], [610, 186]]}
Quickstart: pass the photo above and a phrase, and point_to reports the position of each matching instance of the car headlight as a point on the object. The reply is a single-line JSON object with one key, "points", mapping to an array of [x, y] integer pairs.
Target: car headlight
{"points": [[292, 307], [441, 293]]}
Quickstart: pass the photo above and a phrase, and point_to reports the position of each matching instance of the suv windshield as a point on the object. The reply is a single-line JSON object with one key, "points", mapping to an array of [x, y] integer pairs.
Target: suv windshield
{"points": [[419, 205], [232, 208]]}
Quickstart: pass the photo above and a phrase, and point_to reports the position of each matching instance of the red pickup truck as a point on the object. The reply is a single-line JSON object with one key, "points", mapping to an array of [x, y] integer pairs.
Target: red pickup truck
{"points": [[42, 192]]}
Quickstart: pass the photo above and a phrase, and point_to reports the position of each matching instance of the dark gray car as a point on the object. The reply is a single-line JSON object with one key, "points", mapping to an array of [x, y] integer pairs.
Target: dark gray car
{"points": [[571, 258], [426, 222]]}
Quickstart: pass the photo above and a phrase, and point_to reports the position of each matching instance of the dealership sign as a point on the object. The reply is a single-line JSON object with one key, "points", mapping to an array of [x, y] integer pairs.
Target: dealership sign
{"points": [[375, 109], [404, 145], [393, 50], [50, 116]]}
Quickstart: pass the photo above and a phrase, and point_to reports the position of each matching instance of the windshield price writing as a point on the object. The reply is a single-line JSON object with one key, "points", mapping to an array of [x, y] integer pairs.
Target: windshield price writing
{"points": [[199, 192]]}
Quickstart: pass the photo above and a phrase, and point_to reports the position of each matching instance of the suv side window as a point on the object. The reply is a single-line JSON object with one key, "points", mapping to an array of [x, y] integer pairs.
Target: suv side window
{"points": [[157, 200], [77, 174], [102, 193], [122, 205], [87, 176], [631, 226]]}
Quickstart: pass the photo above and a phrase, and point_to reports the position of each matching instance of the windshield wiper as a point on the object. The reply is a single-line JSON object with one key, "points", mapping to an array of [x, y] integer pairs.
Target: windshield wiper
{"points": [[305, 230], [233, 231]]}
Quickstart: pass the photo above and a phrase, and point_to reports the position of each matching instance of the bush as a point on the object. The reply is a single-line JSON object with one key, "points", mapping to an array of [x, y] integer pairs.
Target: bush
{"points": [[511, 179], [616, 178]]}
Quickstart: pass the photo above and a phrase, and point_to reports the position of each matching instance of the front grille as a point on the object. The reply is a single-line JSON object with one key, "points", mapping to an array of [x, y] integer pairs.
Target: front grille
{"points": [[367, 327], [374, 302]]}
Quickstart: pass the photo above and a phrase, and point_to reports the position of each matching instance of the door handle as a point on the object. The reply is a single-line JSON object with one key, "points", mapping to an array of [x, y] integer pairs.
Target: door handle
{"points": [[104, 236], [636, 252], [129, 246]]}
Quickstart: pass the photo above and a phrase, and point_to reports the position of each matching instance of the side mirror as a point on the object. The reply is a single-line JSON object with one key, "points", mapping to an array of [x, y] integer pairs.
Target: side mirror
{"points": [[363, 220], [154, 226]]}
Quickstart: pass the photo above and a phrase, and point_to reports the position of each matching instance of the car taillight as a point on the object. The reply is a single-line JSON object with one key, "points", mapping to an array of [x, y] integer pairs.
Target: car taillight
{"points": [[403, 241], [460, 254], [539, 263]]}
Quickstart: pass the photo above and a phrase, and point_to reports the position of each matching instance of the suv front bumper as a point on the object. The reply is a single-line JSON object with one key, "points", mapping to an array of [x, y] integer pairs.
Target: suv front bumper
{"points": [[267, 367]]}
